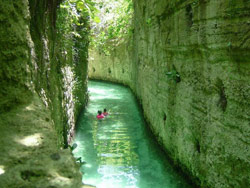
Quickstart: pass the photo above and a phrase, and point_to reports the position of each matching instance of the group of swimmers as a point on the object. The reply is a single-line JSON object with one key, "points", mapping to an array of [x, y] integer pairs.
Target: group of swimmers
{"points": [[101, 114]]}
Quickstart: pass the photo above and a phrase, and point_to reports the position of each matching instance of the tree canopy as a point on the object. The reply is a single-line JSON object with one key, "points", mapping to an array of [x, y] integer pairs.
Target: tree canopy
{"points": [[111, 24]]}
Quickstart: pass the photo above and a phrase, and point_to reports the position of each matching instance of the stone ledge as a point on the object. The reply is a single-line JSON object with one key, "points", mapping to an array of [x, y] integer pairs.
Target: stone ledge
{"points": [[30, 155]]}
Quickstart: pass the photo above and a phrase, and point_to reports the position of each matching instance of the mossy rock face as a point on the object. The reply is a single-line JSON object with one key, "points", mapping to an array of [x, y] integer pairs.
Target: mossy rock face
{"points": [[59, 79], [32, 64], [14, 55], [30, 156], [203, 119]]}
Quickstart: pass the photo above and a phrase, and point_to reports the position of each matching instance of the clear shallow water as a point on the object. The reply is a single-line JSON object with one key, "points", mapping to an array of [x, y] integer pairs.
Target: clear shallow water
{"points": [[119, 151]]}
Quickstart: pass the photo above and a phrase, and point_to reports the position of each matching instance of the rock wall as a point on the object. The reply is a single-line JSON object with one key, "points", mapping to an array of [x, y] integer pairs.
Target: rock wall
{"points": [[42, 91], [116, 67], [14, 55], [56, 74], [190, 69]]}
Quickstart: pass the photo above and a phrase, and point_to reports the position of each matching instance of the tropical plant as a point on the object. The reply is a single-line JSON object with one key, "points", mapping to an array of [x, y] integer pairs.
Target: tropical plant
{"points": [[113, 25]]}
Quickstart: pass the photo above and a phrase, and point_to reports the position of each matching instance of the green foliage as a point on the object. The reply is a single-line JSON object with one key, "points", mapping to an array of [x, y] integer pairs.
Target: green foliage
{"points": [[73, 28], [97, 19], [79, 160], [111, 23], [72, 34], [72, 12], [149, 22], [74, 146], [113, 26], [174, 75]]}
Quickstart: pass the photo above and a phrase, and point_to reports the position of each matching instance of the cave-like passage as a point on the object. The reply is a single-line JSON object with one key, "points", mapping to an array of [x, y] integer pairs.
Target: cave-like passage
{"points": [[119, 151]]}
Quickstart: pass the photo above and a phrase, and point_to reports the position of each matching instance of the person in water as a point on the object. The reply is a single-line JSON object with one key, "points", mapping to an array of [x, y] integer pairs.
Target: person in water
{"points": [[105, 113], [100, 115]]}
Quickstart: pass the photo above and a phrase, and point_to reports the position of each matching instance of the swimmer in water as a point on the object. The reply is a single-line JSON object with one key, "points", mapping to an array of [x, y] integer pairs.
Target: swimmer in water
{"points": [[100, 115], [105, 113]]}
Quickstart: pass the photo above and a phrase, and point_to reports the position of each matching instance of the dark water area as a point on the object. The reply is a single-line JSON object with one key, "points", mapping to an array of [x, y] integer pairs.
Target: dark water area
{"points": [[119, 151]]}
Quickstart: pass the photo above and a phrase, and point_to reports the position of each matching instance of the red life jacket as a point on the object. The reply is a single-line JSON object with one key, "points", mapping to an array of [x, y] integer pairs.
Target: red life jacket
{"points": [[105, 113], [100, 116]]}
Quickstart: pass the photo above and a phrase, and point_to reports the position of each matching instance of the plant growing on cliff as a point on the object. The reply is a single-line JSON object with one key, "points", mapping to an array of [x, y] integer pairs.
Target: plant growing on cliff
{"points": [[174, 75], [72, 34], [74, 146], [114, 25], [73, 18], [149, 22], [79, 160]]}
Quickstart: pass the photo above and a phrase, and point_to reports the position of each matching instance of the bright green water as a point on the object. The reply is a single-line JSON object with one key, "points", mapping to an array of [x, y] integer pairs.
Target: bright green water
{"points": [[119, 151]]}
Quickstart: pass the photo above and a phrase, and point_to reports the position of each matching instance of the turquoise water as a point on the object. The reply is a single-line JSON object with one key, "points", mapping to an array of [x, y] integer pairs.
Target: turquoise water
{"points": [[119, 151]]}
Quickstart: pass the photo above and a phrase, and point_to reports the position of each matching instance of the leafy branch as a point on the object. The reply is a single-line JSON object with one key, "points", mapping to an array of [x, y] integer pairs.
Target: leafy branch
{"points": [[114, 25]]}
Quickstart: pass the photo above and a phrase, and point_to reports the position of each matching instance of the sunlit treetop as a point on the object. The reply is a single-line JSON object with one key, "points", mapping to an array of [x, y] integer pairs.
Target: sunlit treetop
{"points": [[78, 8], [112, 24], [110, 20]]}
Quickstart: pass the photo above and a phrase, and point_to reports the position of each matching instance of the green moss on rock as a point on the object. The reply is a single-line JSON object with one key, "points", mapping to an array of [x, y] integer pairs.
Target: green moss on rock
{"points": [[36, 116]]}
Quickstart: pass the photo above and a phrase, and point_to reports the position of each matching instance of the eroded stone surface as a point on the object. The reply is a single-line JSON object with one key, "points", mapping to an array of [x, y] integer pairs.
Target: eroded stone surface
{"points": [[29, 155]]}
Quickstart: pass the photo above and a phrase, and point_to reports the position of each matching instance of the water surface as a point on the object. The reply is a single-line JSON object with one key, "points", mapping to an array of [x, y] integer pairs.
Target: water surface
{"points": [[119, 151]]}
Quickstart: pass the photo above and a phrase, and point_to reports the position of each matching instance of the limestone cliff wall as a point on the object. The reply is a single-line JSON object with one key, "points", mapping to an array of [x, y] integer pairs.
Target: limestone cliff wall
{"points": [[56, 74], [32, 60], [40, 97], [191, 70], [116, 67], [14, 68]]}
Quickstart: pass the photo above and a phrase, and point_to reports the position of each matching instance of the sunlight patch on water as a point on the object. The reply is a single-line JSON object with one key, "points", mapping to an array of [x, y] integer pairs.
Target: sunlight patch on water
{"points": [[100, 93], [114, 176]]}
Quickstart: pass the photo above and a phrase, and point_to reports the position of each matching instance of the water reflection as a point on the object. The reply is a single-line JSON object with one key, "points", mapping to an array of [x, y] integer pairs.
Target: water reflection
{"points": [[118, 151], [115, 155]]}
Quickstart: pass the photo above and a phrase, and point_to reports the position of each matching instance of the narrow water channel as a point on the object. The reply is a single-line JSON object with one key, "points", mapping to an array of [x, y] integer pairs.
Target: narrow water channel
{"points": [[119, 151]]}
